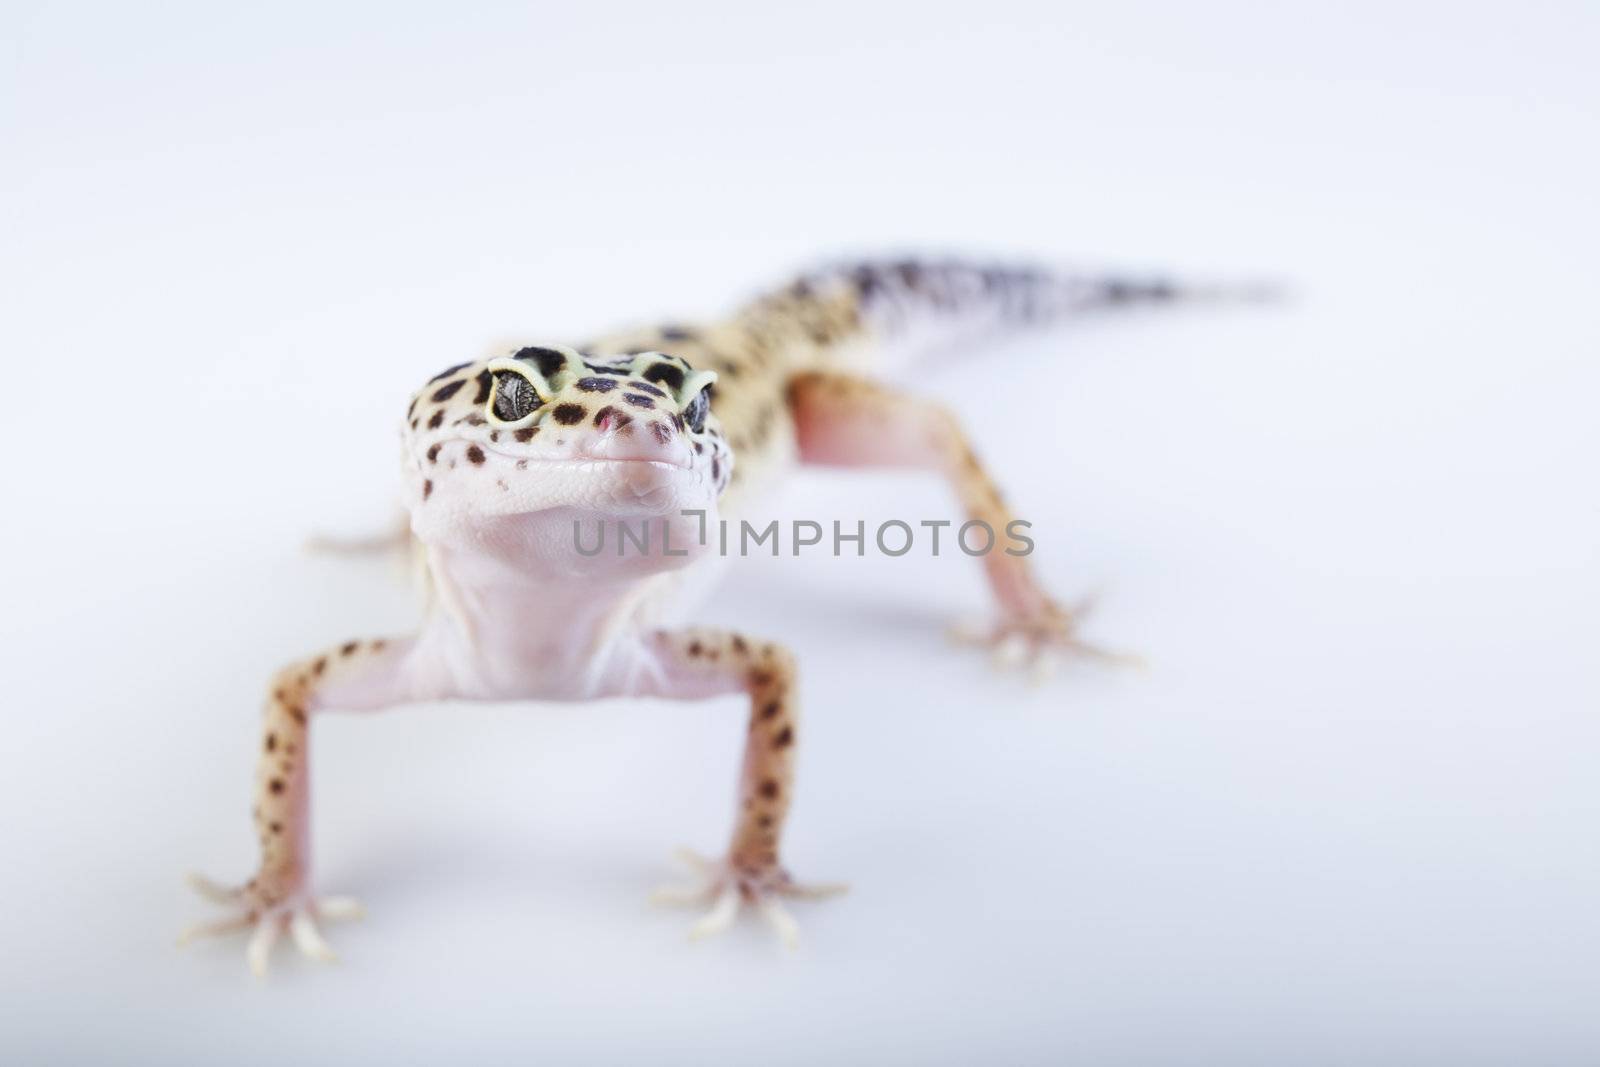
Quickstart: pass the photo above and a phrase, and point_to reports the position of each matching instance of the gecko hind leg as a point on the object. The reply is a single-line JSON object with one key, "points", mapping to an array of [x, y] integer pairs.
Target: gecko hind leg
{"points": [[847, 421]]}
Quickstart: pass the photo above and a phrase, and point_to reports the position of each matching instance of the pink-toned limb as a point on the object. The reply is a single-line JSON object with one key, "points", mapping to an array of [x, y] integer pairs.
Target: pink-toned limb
{"points": [[356, 676], [699, 663], [846, 421]]}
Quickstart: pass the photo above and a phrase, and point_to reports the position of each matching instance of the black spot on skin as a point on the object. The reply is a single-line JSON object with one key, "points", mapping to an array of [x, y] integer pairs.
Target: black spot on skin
{"points": [[771, 710], [695, 648], [272, 742], [666, 374], [276, 827], [446, 373], [769, 789], [427, 489], [716, 470], [867, 281], [638, 400], [644, 387], [437, 420], [568, 414], [676, 333], [349, 648], [445, 392], [740, 645], [677, 422], [485, 382], [474, 455], [548, 360], [785, 738], [597, 385], [433, 453], [661, 432], [526, 433], [276, 785]]}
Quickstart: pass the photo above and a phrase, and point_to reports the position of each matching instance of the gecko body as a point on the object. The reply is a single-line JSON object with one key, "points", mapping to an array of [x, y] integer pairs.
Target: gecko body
{"points": [[506, 460]]}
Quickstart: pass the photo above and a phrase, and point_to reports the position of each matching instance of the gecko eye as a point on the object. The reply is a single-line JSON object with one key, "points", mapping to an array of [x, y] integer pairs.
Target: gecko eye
{"points": [[514, 397], [694, 413]]}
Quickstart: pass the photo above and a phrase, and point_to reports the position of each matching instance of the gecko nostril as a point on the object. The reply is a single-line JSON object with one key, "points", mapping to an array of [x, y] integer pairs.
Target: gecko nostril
{"points": [[605, 418]]}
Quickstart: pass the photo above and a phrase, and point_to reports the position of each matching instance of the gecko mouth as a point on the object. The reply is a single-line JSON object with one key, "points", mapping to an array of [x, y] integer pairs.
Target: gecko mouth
{"points": [[590, 463]]}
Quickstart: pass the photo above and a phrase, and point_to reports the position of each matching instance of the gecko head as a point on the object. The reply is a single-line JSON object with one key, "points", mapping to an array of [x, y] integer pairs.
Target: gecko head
{"points": [[522, 446]]}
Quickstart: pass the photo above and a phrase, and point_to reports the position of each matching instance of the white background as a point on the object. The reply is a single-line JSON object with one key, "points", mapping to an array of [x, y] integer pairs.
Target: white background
{"points": [[1349, 813]]}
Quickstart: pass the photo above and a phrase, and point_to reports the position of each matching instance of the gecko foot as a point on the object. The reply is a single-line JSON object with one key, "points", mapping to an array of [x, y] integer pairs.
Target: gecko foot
{"points": [[1038, 640], [268, 916], [726, 885]]}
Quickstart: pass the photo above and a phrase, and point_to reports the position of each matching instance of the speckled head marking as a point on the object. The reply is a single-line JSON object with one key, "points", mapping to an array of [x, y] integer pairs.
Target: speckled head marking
{"points": [[548, 428]]}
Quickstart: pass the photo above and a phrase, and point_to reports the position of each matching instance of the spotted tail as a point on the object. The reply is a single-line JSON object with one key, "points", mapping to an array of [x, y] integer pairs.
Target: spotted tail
{"points": [[912, 305]]}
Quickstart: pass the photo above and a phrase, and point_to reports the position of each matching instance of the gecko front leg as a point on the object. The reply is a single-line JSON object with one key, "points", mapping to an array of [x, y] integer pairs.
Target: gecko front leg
{"points": [[702, 663], [848, 421], [357, 675]]}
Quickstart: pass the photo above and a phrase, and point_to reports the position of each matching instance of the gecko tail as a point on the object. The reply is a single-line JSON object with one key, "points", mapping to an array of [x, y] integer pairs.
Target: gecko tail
{"points": [[915, 305]]}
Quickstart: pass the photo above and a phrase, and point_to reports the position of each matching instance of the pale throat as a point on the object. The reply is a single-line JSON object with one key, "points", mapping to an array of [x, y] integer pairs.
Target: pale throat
{"points": [[546, 622]]}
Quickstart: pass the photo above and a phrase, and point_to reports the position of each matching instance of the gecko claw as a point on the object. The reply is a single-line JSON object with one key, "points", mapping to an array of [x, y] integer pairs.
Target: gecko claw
{"points": [[727, 886]]}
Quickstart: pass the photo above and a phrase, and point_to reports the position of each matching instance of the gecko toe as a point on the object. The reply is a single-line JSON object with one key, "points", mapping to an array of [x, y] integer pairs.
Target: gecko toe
{"points": [[213, 891], [308, 939], [720, 917], [268, 929]]}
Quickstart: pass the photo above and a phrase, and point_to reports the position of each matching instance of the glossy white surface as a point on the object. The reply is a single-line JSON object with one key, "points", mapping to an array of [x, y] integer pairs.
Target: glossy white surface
{"points": [[1348, 815]]}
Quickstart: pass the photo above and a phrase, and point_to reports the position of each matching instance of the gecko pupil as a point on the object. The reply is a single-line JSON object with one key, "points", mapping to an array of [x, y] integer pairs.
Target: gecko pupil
{"points": [[695, 413], [513, 397]]}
